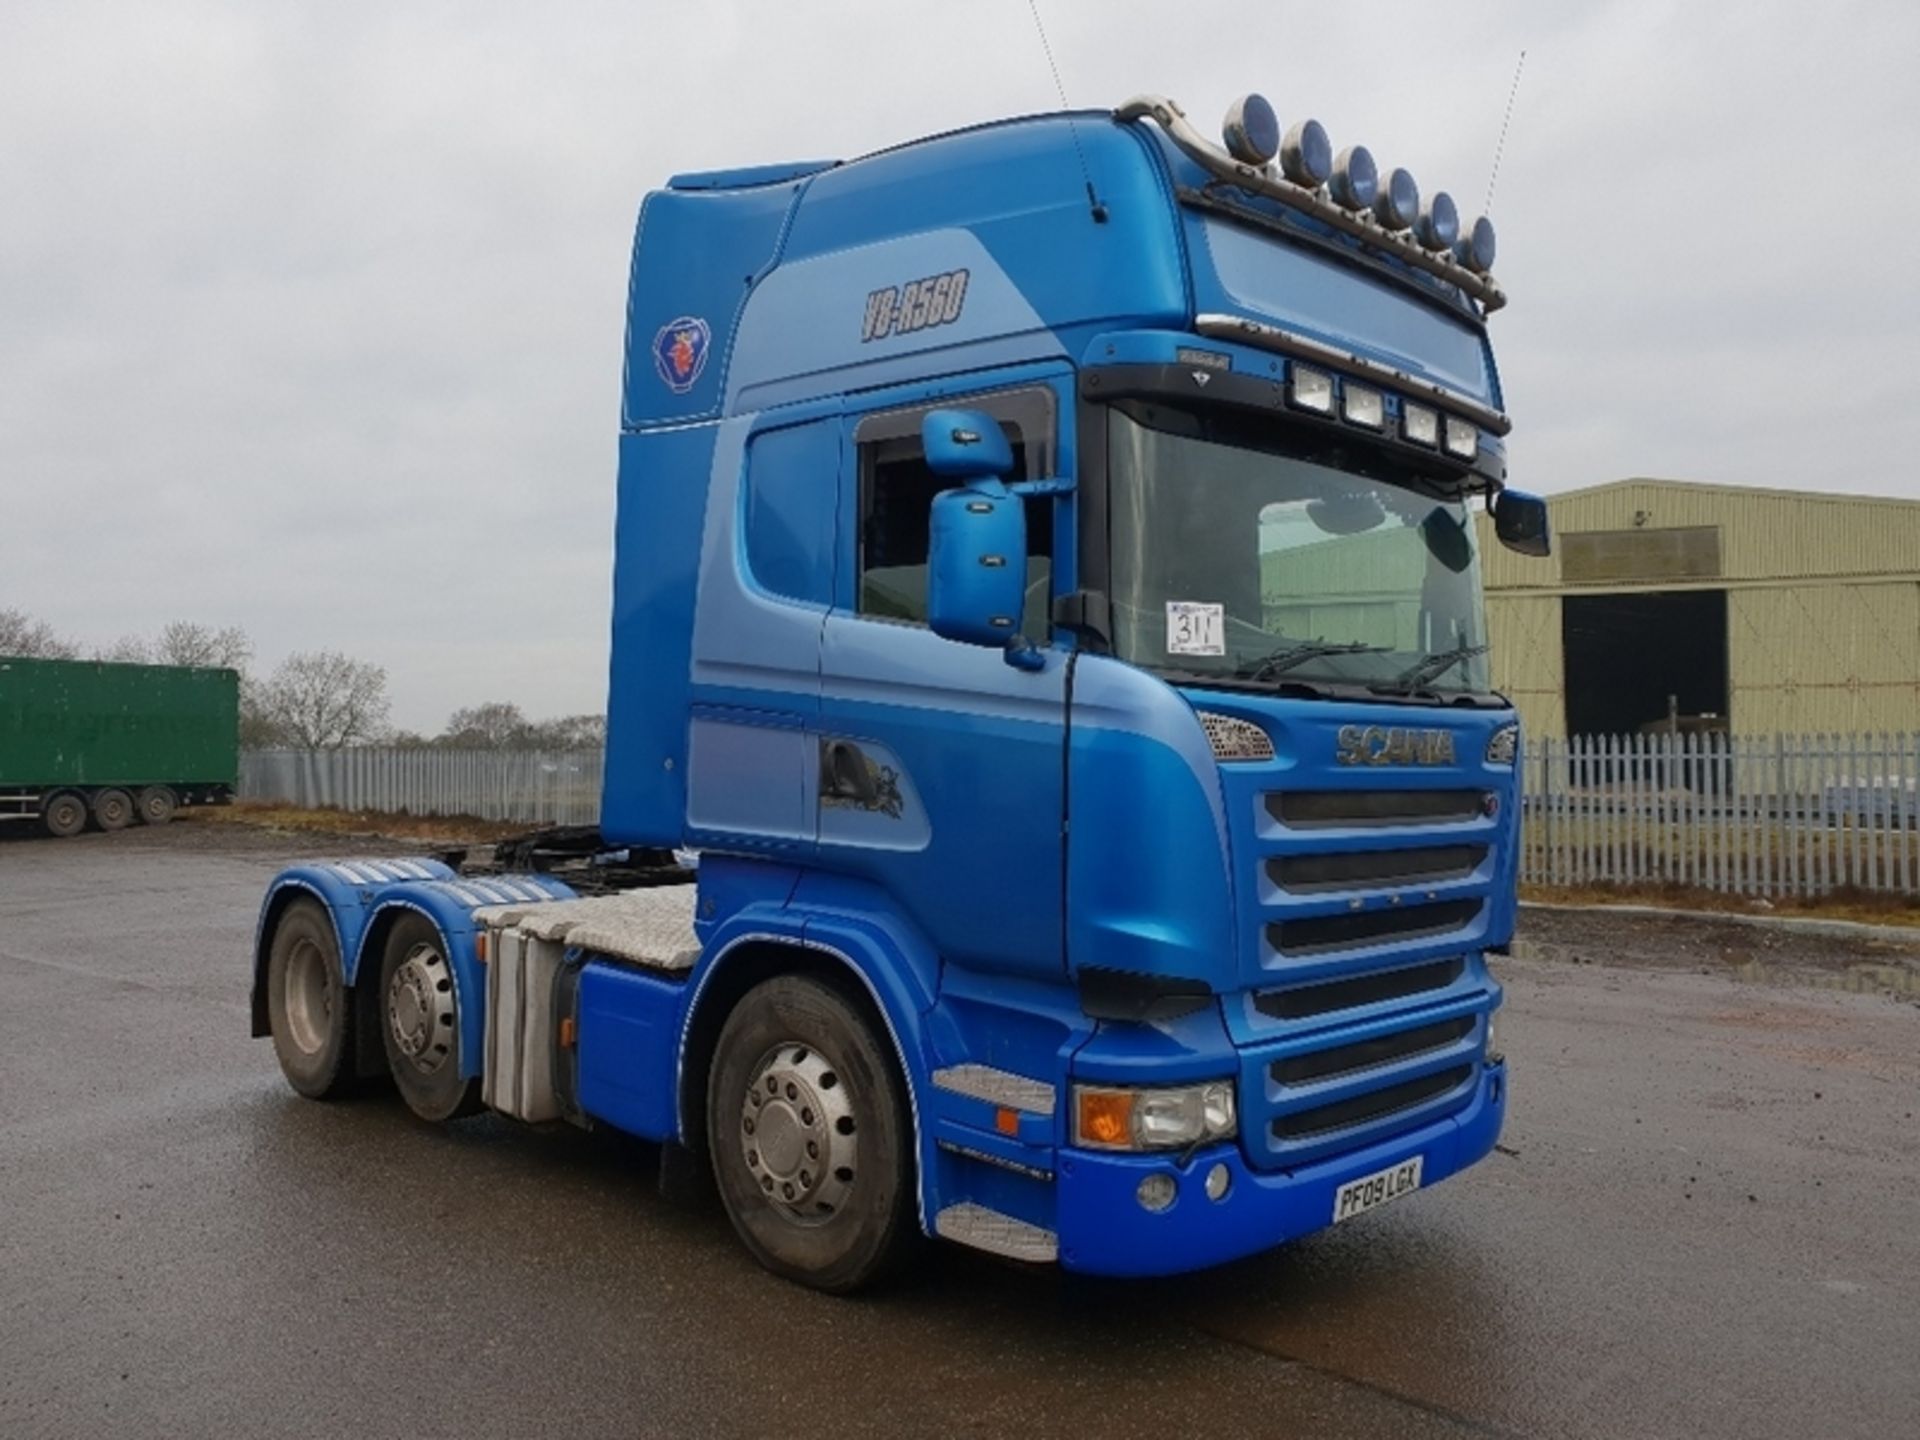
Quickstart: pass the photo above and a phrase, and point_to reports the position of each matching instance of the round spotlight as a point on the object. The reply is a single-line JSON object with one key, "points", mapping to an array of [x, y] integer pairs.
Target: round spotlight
{"points": [[1356, 179], [1251, 130], [1306, 154], [1220, 1179], [1475, 248], [1439, 223], [1398, 204]]}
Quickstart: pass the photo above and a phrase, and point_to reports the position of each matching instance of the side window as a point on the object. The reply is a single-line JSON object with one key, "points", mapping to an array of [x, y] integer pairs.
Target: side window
{"points": [[788, 509], [896, 500]]}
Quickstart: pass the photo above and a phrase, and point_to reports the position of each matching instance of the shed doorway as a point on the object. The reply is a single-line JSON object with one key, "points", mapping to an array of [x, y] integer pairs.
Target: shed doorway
{"points": [[1629, 656]]}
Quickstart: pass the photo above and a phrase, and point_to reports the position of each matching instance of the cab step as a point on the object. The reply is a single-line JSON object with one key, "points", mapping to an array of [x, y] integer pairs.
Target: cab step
{"points": [[984, 1229]]}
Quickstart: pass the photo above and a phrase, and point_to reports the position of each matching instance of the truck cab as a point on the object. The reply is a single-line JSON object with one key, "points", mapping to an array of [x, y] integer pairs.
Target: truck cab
{"points": [[1046, 599]]}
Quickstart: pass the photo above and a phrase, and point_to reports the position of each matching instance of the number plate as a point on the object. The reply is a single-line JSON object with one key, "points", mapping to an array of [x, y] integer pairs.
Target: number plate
{"points": [[1356, 1197]]}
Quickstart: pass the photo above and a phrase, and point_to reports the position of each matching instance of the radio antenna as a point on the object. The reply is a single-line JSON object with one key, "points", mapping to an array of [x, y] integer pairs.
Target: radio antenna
{"points": [[1500, 145], [1093, 201]]}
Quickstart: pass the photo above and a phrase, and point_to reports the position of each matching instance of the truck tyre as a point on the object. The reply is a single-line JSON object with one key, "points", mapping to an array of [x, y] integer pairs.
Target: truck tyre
{"points": [[807, 1126], [308, 1011], [156, 804], [64, 814], [112, 809], [420, 1012]]}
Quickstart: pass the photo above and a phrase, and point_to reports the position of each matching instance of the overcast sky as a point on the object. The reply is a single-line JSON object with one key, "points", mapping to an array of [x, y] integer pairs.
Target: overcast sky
{"points": [[310, 315]]}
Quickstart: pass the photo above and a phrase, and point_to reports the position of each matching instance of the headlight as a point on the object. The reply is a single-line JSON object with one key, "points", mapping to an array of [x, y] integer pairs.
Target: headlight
{"points": [[1116, 1117], [1503, 745]]}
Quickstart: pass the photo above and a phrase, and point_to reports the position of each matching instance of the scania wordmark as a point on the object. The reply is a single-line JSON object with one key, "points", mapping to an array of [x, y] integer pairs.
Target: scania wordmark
{"points": [[1046, 599]]}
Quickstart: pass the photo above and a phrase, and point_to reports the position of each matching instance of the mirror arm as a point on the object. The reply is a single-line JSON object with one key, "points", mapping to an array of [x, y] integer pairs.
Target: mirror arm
{"points": [[1023, 654], [1052, 485]]}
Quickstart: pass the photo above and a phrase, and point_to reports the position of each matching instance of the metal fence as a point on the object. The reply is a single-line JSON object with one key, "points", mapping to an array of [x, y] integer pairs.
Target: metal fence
{"points": [[1763, 815], [537, 787], [1752, 815]]}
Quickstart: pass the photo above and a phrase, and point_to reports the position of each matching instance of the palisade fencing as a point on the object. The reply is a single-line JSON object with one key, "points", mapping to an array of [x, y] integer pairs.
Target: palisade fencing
{"points": [[1761, 815], [536, 787]]}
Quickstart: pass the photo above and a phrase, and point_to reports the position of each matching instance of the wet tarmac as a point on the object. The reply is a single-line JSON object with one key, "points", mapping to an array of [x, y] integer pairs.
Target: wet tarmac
{"points": [[1705, 1220]]}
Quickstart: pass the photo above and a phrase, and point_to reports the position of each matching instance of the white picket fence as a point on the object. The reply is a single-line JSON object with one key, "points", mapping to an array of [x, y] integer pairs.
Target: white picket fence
{"points": [[1752, 815], [1760, 815], [536, 787]]}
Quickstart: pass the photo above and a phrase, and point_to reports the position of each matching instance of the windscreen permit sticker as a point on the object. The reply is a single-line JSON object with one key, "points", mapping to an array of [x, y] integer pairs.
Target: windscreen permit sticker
{"points": [[1194, 628]]}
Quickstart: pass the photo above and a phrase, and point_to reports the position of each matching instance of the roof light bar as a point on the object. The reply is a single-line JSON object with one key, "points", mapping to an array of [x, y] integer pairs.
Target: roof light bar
{"points": [[1251, 131], [1356, 179], [1463, 438], [1306, 154], [1307, 164], [1439, 223], [1475, 248], [1397, 205]]}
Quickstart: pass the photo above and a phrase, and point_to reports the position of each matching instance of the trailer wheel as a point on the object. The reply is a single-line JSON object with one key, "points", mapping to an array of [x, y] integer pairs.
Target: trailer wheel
{"points": [[807, 1126], [112, 809], [421, 1010], [64, 814], [156, 804], [307, 1004]]}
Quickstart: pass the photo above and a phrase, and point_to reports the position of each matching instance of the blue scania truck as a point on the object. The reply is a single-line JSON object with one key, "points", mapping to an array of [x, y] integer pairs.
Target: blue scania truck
{"points": [[1047, 625]]}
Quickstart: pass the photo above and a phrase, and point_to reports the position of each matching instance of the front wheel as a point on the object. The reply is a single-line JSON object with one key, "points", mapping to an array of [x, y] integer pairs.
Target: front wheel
{"points": [[420, 1011], [807, 1127]]}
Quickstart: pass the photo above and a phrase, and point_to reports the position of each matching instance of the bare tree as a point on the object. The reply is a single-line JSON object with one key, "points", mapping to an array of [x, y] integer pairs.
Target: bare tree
{"points": [[569, 732], [491, 726], [323, 700], [183, 642], [127, 650], [22, 635]]}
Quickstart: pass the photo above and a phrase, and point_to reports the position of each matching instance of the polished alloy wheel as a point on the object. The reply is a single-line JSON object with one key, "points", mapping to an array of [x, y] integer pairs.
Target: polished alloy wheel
{"points": [[798, 1135]]}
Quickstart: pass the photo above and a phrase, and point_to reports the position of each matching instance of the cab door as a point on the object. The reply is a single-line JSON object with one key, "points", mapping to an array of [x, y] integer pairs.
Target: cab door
{"points": [[941, 774]]}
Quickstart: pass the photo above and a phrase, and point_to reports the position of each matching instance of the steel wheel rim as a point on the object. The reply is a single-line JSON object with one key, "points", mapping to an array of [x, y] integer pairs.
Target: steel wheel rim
{"points": [[309, 998], [798, 1134], [420, 1008]]}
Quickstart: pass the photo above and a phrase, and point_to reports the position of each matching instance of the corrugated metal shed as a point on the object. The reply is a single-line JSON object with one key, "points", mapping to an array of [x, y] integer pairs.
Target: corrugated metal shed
{"points": [[1823, 597]]}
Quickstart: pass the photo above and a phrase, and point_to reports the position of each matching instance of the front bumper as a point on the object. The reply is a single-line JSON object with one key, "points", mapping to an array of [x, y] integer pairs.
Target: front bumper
{"points": [[1103, 1229]]}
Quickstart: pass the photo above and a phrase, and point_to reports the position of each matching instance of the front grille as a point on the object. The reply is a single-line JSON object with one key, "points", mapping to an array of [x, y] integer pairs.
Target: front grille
{"points": [[1353, 870], [1364, 1054], [1352, 928], [1303, 1002], [1306, 809], [1375, 1105]]}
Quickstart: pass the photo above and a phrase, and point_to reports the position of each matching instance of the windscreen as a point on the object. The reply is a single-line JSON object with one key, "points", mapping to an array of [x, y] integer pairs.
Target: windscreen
{"points": [[1240, 552]]}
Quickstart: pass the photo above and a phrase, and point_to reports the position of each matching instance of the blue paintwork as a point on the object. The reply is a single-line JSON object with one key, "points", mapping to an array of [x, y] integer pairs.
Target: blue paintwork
{"points": [[357, 895], [1104, 1231], [1031, 832]]}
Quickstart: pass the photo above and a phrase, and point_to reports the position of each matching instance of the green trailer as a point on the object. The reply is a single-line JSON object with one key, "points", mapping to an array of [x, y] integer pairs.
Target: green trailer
{"points": [[84, 740]]}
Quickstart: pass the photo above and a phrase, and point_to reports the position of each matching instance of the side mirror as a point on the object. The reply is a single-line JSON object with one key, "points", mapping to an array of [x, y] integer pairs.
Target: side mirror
{"points": [[965, 445], [977, 563], [1520, 521]]}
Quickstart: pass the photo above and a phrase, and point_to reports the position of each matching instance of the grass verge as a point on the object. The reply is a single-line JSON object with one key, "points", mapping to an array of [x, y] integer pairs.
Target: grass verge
{"points": [[1868, 907], [358, 824]]}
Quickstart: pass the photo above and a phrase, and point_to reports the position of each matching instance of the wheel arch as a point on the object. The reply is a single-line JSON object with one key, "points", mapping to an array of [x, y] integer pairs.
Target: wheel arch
{"points": [[750, 956], [454, 923]]}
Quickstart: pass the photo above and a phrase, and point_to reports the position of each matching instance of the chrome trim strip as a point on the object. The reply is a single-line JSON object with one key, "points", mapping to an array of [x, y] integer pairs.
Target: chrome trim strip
{"points": [[1285, 342], [1261, 180]]}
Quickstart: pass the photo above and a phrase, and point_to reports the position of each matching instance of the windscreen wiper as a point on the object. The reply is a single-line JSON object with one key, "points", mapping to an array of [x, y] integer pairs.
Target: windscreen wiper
{"points": [[1301, 651], [1432, 668]]}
